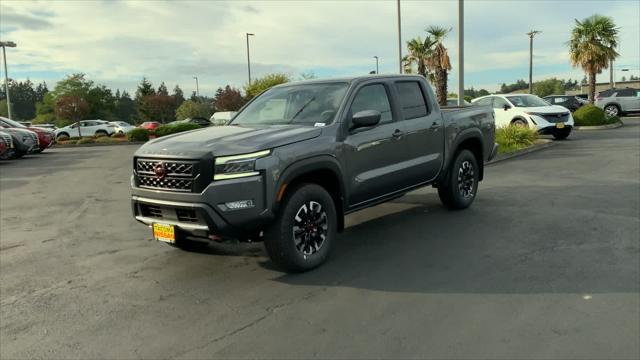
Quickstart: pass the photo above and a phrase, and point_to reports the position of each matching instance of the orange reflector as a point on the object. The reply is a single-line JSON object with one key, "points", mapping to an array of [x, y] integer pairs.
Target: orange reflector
{"points": [[281, 192]]}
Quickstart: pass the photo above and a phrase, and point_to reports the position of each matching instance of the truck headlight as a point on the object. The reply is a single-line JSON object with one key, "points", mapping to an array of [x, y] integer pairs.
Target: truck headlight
{"points": [[237, 166]]}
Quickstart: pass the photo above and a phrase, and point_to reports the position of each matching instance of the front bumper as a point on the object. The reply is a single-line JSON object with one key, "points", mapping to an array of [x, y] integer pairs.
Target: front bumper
{"points": [[552, 129], [203, 215]]}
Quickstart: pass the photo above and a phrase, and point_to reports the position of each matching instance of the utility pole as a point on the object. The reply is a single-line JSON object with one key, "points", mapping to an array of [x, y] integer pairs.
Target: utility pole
{"points": [[4, 45], [531, 34], [249, 58], [197, 87], [377, 72], [461, 52], [399, 39]]}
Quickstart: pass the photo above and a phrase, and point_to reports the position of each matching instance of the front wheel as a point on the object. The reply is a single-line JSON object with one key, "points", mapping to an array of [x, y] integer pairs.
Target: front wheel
{"points": [[302, 235], [611, 110], [459, 188]]}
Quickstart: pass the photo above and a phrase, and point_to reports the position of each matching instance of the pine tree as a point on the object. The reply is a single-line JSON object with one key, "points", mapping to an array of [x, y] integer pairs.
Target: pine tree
{"points": [[162, 90]]}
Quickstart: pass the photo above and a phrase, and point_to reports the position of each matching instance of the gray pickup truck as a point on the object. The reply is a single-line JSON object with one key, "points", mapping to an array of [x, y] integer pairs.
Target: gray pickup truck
{"points": [[299, 157]]}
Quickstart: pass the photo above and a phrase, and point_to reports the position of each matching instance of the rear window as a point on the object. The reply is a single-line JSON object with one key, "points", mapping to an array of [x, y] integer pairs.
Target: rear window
{"points": [[606, 93], [411, 100], [626, 93]]}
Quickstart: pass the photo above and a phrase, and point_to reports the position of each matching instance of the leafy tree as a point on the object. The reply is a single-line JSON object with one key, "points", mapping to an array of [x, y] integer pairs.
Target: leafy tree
{"points": [[473, 93], [161, 108], [259, 85], [549, 87], [228, 99], [145, 89], [624, 78], [178, 95], [518, 85], [4, 111], [191, 109], [125, 108], [45, 110], [633, 77], [438, 60], [101, 102], [41, 90], [592, 46], [162, 90], [71, 107]]}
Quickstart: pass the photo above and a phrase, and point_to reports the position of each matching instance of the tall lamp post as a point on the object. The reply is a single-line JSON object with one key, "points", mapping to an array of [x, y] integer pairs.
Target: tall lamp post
{"points": [[531, 34], [6, 44], [376, 57], [249, 58], [197, 86], [460, 52], [399, 40]]}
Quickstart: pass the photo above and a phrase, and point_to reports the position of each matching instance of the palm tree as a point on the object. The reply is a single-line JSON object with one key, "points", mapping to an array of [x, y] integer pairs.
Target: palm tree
{"points": [[438, 60], [592, 46], [418, 54]]}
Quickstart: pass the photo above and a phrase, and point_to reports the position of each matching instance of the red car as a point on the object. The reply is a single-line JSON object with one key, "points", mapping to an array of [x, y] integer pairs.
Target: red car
{"points": [[45, 137], [149, 125]]}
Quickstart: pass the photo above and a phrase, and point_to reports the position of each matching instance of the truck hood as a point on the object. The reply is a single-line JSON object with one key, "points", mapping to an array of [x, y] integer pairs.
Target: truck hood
{"points": [[227, 140]]}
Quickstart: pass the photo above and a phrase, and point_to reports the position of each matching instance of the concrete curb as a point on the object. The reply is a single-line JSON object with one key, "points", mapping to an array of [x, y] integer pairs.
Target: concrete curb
{"points": [[61, 146], [600, 127], [541, 144]]}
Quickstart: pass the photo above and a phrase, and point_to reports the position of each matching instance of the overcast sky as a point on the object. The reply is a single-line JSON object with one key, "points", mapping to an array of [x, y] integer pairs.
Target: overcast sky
{"points": [[118, 42]]}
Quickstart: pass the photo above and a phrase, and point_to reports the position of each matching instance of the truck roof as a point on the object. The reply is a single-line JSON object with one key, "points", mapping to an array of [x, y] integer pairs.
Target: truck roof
{"points": [[353, 79]]}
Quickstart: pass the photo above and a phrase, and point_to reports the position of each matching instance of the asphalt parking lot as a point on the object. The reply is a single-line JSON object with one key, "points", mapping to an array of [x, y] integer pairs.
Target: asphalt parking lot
{"points": [[545, 264]]}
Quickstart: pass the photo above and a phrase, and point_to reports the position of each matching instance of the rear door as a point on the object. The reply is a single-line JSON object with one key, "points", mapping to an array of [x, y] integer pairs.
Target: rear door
{"points": [[627, 99], [372, 155], [424, 139]]}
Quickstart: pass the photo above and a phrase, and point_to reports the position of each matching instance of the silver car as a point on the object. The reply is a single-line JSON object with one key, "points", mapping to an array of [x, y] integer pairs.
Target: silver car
{"points": [[616, 102]]}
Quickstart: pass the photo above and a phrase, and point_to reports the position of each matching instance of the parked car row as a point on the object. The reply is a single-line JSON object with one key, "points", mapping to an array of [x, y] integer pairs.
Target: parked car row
{"points": [[19, 140]]}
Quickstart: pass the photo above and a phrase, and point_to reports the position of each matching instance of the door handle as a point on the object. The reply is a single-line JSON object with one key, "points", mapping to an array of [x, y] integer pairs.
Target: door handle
{"points": [[398, 133], [435, 126]]}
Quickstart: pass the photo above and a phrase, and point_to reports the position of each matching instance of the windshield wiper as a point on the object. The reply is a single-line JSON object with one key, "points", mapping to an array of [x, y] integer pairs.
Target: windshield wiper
{"points": [[301, 109]]}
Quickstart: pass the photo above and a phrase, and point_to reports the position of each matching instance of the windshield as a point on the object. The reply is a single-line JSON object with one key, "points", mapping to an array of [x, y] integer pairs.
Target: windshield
{"points": [[11, 123], [306, 104], [527, 101]]}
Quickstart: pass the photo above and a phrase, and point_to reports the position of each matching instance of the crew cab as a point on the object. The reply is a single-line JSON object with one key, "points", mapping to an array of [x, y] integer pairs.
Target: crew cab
{"points": [[300, 156], [531, 111]]}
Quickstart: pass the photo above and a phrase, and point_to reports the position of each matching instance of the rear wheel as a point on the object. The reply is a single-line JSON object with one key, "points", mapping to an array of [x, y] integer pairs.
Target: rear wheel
{"points": [[302, 235], [62, 135], [611, 110], [459, 188], [101, 133], [520, 123]]}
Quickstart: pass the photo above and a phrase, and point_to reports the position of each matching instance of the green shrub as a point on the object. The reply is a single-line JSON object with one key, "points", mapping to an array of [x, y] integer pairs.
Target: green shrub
{"points": [[105, 139], [138, 134], [591, 115], [164, 130], [512, 138], [86, 140]]}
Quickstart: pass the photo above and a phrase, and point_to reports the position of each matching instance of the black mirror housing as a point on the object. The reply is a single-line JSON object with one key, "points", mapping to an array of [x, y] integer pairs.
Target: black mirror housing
{"points": [[506, 107], [365, 118]]}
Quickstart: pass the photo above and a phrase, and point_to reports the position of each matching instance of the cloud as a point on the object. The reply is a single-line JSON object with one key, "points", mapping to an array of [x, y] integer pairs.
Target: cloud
{"points": [[119, 42]]}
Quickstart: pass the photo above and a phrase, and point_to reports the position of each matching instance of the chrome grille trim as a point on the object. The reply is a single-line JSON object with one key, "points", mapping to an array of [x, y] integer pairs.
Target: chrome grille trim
{"points": [[180, 175]]}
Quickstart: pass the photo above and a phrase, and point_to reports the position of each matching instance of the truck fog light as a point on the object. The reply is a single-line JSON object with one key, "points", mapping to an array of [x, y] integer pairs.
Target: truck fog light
{"points": [[242, 204]]}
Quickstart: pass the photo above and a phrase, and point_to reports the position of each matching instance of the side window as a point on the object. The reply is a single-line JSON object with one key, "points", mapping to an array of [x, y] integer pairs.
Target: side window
{"points": [[626, 93], [373, 97], [485, 101], [559, 100], [499, 103], [411, 99]]}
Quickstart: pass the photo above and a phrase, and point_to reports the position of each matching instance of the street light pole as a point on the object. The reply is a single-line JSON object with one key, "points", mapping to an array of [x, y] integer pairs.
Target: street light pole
{"points": [[197, 86], [461, 52], [399, 39], [531, 34], [6, 44], [376, 57], [249, 58]]}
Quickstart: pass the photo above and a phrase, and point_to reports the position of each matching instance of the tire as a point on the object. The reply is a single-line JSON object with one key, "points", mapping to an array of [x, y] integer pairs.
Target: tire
{"points": [[101, 132], [62, 134], [611, 110], [19, 153], [561, 135], [460, 186], [310, 206], [519, 122]]}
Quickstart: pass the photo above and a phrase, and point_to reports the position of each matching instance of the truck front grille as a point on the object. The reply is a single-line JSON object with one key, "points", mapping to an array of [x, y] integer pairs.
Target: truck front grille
{"points": [[556, 118], [170, 175]]}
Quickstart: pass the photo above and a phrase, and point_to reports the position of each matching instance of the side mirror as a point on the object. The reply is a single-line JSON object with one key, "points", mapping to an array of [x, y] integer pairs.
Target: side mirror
{"points": [[506, 107], [365, 118]]}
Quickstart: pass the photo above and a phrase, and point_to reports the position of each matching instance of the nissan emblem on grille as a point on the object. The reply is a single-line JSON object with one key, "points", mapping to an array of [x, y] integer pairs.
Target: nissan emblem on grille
{"points": [[160, 171]]}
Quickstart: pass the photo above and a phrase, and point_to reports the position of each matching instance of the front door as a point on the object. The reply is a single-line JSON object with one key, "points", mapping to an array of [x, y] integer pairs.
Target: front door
{"points": [[503, 116], [372, 154]]}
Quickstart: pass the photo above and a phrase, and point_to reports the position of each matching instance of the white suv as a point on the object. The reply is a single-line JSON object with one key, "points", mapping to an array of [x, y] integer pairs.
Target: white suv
{"points": [[531, 111], [86, 128]]}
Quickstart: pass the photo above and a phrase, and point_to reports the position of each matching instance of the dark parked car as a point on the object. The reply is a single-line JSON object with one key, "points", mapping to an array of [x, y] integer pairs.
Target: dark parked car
{"points": [[300, 156], [6, 145], [569, 101], [24, 141]]}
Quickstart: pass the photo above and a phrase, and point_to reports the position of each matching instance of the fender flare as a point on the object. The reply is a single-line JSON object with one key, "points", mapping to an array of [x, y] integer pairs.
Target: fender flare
{"points": [[464, 135]]}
